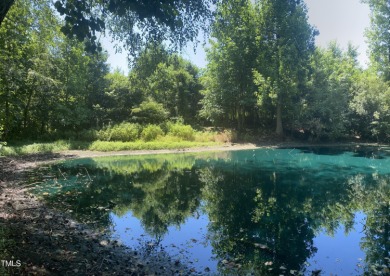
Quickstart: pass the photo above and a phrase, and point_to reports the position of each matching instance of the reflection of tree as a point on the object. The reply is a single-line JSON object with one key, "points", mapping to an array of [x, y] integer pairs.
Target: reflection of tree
{"points": [[372, 194], [159, 191], [266, 218], [255, 222], [167, 200]]}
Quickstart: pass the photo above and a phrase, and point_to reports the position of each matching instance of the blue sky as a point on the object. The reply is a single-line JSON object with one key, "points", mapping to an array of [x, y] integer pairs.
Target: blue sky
{"points": [[341, 20]]}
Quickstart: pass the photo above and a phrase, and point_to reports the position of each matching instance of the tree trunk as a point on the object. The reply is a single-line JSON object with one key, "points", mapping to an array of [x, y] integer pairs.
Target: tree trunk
{"points": [[5, 5], [279, 125]]}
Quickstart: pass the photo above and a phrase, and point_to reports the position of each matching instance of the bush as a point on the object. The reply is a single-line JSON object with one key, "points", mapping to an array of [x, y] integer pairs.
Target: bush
{"points": [[151, 132], [149, 112], [185, 132], [124, 132]]}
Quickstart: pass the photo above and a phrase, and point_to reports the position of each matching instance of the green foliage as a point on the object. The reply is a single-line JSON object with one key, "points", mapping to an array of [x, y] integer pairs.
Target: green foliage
{"points": [[118, 97], [370, 108], [262, 69], [184, 132], [167, 79], [62, 145], [229, 89], [48, 84], [286, 44], [267, 41], [122, 132], [149, 112], [135, 23], [141, 145], [151, 132], [32, 148], [379, 37], [324, 109]]}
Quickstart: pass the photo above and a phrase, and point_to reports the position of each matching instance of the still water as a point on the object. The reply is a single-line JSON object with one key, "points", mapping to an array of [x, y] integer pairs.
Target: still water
{"points": [[267, 211]]}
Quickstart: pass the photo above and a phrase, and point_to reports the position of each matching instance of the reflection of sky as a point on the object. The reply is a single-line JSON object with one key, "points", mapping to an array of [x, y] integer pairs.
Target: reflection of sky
{"points": [[186, 244], [341, 254], [337, 255]]}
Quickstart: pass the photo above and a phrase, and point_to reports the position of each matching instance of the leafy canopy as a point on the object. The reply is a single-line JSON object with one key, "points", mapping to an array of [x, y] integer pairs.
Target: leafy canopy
{"points": [[135, 22]]}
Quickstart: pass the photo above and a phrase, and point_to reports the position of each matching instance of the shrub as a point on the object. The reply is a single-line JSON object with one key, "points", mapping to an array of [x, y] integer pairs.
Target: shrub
{"points": [[149, 112], [185, 132], [151, 132], [123, 132]]}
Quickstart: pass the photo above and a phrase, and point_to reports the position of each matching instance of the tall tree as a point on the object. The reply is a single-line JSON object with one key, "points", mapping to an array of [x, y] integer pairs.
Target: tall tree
{"points": [[15, 50], [286, 41], [379, 36], [324, 108], [232, 58]]}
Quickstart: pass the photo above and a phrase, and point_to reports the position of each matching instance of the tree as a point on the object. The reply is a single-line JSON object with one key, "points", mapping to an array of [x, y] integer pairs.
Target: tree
{"points": [[119, 98], [15, 51], [167, 79], [324, 112], [379, 36], [133, 22], [47, 82], [176, 85], [230, 88], [149, 112], [370, 106], [263, 47], [287, 42]]}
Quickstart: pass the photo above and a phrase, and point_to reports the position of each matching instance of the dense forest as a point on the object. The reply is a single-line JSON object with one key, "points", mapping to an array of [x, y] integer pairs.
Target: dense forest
{"points": [[264, 74]]}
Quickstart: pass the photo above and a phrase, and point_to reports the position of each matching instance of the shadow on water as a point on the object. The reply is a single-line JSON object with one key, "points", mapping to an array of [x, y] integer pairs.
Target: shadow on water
{"points": [[263, 208]]}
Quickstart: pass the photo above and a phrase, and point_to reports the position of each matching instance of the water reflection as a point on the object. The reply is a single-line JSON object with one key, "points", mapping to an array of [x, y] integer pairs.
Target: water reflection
{"points": [[262, 209]]}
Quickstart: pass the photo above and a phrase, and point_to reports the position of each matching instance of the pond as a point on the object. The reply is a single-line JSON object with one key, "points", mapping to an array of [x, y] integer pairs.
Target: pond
{"points": [[268, 211]]}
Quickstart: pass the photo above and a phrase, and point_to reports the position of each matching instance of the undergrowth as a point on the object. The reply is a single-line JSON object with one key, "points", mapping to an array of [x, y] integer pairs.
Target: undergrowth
{"points": [[125, 136]]}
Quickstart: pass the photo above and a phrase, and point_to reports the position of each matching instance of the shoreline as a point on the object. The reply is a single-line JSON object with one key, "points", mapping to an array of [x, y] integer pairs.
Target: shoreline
{"points": [[225, 147]]}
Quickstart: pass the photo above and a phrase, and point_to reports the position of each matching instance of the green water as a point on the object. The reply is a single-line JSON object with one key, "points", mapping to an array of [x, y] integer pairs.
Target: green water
{"points": [[266, 211]]}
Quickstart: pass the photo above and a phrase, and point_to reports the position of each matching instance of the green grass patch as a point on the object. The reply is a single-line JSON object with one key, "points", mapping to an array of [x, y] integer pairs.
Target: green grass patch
{"points": [[151, 145], [166, 142], [23, 148]]}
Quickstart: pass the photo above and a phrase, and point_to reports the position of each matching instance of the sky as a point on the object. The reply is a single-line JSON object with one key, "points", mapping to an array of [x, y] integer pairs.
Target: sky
{"points": [[341, 20]]}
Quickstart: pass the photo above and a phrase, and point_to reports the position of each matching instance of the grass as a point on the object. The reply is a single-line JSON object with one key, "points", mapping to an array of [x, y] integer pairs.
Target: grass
{"points": [[140, 145], [127, 137], [24, 148]]}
